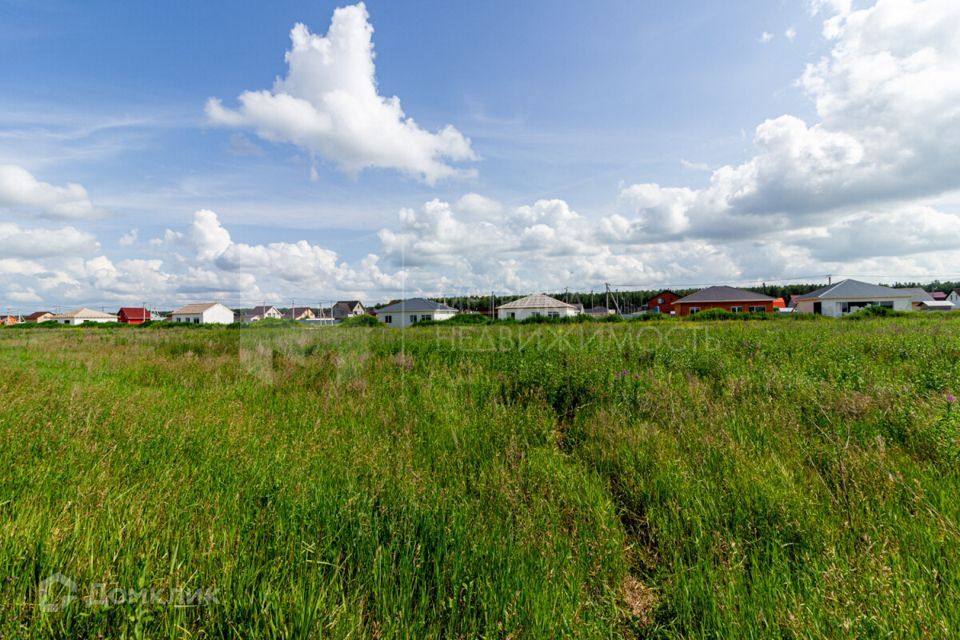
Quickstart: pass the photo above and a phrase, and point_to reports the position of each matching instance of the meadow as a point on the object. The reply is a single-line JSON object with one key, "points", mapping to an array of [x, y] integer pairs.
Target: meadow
{"points": [[715, 479]]}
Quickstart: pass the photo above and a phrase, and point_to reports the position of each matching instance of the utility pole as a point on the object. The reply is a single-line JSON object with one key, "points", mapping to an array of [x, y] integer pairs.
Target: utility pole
{"points": [[829, 280]]}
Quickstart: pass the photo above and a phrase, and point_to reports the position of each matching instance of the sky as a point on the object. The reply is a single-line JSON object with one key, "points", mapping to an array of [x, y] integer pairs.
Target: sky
{"points": [[252, 152]]}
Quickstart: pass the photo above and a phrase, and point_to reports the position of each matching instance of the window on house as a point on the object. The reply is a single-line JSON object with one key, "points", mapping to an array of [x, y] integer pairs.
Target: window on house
{"points": [[553, 314], [425, 317], [513, 315], [757, 309], [659, 300], [413, 319], [738, 309], [694, 310], [887, 304], [388, 319], [196, 321]]}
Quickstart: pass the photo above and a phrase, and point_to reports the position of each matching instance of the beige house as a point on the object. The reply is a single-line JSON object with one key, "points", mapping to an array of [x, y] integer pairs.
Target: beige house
{"points": [[537, 304], [83, 315], [262, 313]]}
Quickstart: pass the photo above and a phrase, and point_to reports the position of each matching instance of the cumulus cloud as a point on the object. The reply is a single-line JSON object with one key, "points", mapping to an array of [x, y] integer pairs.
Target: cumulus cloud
{"points": [[765, 37], [329, 104], [888, 128], [20, 191], [17, 241]]}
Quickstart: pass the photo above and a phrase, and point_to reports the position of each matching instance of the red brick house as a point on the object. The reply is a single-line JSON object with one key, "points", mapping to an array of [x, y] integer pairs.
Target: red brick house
{"points": [[663, 302], [726, 298], [133, 315]]}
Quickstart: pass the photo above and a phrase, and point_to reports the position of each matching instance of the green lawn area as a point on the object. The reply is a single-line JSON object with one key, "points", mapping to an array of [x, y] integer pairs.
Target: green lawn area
{"points": [[726, 479]]}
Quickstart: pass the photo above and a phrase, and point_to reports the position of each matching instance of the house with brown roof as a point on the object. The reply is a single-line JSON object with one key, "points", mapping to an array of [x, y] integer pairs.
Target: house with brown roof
{"points": [[723, 297], [262, 312], [301, 314], [347, 308], [39, 316], [203, 313]]}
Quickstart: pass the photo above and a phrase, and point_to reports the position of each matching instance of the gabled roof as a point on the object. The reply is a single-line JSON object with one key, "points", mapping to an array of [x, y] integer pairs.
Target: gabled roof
{"points": [[660, 293], [84, 313], [261, 310], [938, 295], [134, 313], [348, 305], [853, 289], [537, 301], [191, 309], [415, 304], [298, 311], [724, 293], [37, 314]]}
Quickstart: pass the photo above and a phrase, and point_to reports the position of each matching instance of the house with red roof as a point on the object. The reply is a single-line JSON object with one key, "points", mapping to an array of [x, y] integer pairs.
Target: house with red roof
{"points": [[133, 315]]}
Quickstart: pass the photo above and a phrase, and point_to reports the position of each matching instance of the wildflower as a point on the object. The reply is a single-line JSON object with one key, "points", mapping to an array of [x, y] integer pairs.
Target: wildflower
{"points": [[951, 398]]}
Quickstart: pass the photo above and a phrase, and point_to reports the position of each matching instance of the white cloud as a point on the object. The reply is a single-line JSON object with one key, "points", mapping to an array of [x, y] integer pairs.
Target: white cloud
{"points": [[129, 238], [765, 37], [21, 191], [17, 241], [694, 166], [790, 34], [328, 104], [888, 126]]}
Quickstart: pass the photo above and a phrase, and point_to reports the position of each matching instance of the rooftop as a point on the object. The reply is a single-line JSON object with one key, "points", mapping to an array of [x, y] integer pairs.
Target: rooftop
{"points": [[724, 293], [854, 289], [415, 304], [537, 301]]}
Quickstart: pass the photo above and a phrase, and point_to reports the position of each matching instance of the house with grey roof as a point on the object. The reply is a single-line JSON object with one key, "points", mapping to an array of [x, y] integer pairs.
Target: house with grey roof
{"points": [[848, 296], [538, 304], [406, 313]]}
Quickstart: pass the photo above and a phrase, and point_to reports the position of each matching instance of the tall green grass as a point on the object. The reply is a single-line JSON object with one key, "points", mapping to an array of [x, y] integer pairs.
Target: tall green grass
{"points": [[669, 479]]}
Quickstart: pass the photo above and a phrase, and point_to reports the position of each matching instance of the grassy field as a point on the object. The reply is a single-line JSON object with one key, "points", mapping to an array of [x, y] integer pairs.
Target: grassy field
{"points": [[695, 479]]}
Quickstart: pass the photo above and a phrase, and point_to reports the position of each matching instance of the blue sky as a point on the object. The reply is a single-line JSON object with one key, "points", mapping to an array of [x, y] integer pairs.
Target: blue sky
{"points": [[596, 135]]}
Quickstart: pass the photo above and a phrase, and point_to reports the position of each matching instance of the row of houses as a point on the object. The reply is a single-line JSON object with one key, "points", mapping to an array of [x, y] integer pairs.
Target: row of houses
{"points": [[834, 300], [198, 313]]}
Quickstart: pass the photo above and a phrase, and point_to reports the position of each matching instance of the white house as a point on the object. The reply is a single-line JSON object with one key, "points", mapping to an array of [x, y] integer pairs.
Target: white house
{"points": [[83, 315], [203, 313], [537, 304], [409, 312], [954, 298], [262, 313], [848, 296]]}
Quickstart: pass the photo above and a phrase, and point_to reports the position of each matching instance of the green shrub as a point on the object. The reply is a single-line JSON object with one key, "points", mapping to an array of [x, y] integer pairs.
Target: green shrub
{"points": [[366, 320]]}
